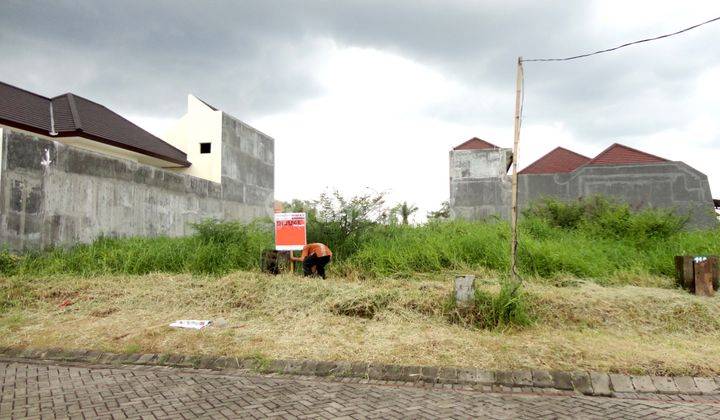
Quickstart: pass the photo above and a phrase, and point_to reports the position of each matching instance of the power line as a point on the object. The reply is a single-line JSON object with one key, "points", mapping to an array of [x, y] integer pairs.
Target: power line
{"points": [[625, 45]]}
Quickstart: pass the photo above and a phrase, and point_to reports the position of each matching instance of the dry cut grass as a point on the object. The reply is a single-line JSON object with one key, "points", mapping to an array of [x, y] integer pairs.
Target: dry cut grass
{"points": [[578, 325]]}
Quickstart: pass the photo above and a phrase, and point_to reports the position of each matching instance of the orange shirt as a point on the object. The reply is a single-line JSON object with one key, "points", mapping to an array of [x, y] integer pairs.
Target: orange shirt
{"points": [[318, 249]]}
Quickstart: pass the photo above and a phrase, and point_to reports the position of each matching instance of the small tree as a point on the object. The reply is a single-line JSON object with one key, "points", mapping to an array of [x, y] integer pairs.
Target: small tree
{"points": [[404, 211], [443, 213]]}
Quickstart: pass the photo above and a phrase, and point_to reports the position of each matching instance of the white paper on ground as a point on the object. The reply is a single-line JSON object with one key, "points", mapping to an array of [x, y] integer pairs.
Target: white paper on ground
{"points": [[194, 324]]}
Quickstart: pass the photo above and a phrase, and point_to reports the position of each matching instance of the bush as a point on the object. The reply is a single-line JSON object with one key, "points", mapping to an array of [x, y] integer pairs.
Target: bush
{"points": [[8, 263], [602, 217], [507, 308]]}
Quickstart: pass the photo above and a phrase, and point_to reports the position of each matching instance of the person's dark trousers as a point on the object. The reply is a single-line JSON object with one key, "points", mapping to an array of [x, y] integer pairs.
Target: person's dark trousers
{"points": [[314, 261]]}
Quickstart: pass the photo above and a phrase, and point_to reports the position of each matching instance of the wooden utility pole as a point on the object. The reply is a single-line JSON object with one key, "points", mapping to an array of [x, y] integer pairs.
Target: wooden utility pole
{"points": [[514, 206]]}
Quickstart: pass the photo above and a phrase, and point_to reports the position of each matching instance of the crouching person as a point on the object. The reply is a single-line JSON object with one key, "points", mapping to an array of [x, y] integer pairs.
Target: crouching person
{"points": [[314, 258]]}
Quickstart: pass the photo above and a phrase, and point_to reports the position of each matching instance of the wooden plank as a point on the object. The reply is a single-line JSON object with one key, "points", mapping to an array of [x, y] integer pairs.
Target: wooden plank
{"points": [[704, 278], [685, 272], [713, 260]]}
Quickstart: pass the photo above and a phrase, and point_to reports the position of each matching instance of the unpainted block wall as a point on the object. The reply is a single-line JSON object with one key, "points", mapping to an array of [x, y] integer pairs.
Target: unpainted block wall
{"points": [[671, 185], [480, 193], [80, 195], [248, 165], [479, 184]]}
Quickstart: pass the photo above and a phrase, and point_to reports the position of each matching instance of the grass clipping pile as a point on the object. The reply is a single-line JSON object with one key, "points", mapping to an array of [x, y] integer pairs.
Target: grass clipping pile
{"points": [[583, 326]]}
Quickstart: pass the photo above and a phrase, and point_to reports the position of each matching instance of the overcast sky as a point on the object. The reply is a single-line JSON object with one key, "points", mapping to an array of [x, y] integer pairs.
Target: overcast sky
{"points": [[375, 93]]}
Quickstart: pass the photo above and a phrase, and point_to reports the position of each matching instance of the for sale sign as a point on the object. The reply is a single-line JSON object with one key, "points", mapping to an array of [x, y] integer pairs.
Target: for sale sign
{"points": [[290, 231]]}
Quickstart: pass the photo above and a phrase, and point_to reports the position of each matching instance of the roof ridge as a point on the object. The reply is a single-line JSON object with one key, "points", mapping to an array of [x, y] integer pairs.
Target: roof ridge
{"points": [[547, 157], [571, 151], [25, 90], [74, 112], [478, 139], [625, 147]]}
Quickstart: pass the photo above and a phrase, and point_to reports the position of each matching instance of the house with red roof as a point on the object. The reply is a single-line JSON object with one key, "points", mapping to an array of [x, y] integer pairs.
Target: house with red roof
{"points": [[633, 176]]}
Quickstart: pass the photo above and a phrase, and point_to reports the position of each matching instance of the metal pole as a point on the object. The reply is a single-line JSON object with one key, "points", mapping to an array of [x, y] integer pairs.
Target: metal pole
{"points": [[514, 207]]}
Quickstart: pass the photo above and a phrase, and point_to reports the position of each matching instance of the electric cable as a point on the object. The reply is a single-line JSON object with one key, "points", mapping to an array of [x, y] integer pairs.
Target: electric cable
{"points": [[626, 44]]}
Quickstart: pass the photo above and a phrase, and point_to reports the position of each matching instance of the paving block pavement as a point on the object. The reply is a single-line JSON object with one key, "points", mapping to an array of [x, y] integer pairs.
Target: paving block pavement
{"points": [[56, 389], [588, 383]]}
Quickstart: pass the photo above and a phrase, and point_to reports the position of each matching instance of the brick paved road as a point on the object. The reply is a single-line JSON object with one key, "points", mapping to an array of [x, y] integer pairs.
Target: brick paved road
{"points": [[40, 390]]}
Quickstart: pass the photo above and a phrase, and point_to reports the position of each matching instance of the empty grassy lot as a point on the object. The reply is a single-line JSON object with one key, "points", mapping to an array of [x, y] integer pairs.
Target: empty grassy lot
{"points": [[577, 324]]}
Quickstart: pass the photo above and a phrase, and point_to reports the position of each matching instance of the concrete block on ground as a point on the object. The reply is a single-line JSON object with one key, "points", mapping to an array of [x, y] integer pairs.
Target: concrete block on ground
{"points": [[600, 383], [706, 385], [542, 379], [522, 378], [448, 375], [686, 385], [664, 384], [429, 374], [412, 373], [293, 367], [581, 382], [324, 368], [562, 380], [465, 290], [621, 383], [467, 375], [504, 377], [342, 369], [643, 383]]}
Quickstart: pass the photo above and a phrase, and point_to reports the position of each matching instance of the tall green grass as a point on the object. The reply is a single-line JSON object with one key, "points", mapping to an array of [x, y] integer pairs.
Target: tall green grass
{"points": [[595, 239], [216, 248]]}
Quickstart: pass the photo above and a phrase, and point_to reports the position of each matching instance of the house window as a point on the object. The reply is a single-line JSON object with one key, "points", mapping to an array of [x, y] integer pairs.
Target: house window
{"points": [[204, 148]]}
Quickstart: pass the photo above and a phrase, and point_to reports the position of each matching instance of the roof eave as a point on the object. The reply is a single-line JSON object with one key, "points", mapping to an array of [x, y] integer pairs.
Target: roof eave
{"points": [[79, 133]]}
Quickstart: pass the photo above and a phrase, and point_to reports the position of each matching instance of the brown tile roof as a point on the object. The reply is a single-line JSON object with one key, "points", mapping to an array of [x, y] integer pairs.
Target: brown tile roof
{"points": [[559, 160], [618, 154], [475, 144], [75, 116]]}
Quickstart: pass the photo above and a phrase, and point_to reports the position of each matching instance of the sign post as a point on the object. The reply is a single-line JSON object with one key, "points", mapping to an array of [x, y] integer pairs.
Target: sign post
{"points": [[290, 233]]}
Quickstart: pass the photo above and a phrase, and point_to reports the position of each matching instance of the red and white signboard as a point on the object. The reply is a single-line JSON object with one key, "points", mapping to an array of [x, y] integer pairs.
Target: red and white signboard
{"points": [[290, 231]]}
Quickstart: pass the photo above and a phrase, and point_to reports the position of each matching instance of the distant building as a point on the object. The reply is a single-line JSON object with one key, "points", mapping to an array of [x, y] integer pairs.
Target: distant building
{"points": [[72, 169], [480, 186]]}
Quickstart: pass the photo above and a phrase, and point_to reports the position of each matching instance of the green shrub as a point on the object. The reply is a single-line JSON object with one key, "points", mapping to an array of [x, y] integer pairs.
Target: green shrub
{"points": [[8, 263], [216, 248], [506, 308]]}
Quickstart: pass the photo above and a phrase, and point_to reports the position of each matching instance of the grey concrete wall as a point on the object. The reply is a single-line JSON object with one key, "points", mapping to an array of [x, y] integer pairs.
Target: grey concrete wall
{"points": [[81, 195], [479, 185], [484, 192], [672, 185], [248, 166]]}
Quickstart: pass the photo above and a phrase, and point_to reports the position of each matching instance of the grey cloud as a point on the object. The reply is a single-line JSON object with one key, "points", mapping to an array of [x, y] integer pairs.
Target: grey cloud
{"points": [[257, 57]]}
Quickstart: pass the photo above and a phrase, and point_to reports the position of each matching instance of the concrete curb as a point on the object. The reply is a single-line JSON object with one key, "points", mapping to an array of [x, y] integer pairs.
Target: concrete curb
{"points": [[586, 383]]}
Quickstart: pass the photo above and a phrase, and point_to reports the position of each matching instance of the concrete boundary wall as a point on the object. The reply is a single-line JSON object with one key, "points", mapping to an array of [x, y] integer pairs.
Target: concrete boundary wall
{"points": [[480, 187], [57, 195], [669, 185]]}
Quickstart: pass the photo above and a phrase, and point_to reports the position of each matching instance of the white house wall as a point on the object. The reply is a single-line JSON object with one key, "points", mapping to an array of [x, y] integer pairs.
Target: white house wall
{"points": [[201, 124]]}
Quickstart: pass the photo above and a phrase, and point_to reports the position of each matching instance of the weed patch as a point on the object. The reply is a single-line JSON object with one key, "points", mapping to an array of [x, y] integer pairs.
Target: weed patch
{"points": [[503, 309], [363, 305]]}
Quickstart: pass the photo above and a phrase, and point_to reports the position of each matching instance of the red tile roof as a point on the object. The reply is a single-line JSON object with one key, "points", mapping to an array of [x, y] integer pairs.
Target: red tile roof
{"points": [[560, 160], [74, 116], [618, 154], [475, 144]]}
